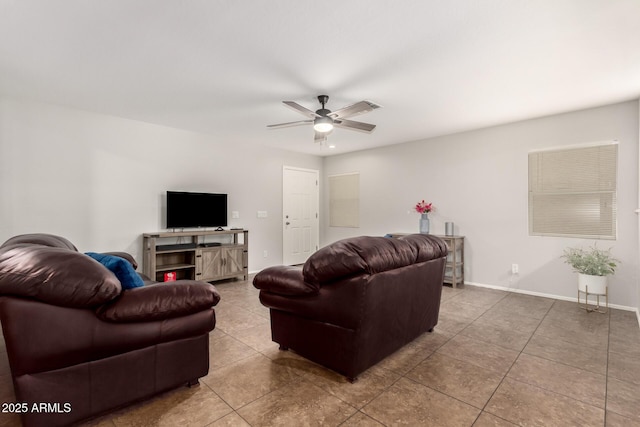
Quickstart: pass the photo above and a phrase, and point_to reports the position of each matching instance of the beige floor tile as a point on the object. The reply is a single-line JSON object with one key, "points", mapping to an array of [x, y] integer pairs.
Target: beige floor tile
{"points": [[575, 331], [452, 323], [412, 404], [461, 310], [361, 420], [505, 319], [479, 353], [524, 404], [577, 355], [257, 337], [570, 310], [298, 404], [623, 315], [456, 378], [488, 420], [623, 398], [624, 367], [524, 305], [196, 406], [563, 379], [232, 318], [231, 420], [298, 364], [226, 350], [449, 292], [249, 379], [615, 420], [406, 358], [625, 326], [104, 421], [511, 339], [369, 384], [626, 341], [480, 297]]}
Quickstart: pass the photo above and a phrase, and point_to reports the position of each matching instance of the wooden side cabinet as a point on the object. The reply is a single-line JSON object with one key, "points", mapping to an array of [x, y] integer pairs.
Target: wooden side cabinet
{"points": [[454, 269], [196, 259]]}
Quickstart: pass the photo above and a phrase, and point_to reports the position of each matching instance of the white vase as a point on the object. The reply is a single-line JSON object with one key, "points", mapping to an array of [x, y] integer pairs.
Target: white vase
{"points": [[596, 285], [424, 223]]}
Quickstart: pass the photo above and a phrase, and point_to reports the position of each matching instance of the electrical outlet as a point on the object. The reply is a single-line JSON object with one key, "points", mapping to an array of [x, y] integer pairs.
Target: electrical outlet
{"points": [[235, 214], [514, 269], [262, 214], [265, 253]]}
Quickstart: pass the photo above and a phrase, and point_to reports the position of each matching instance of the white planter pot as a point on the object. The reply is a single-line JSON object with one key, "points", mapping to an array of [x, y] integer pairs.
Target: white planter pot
{"points": [[596, 285]]}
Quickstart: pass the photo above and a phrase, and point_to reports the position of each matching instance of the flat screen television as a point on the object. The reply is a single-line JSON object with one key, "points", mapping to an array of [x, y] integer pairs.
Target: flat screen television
{"points": [[186, 210]]}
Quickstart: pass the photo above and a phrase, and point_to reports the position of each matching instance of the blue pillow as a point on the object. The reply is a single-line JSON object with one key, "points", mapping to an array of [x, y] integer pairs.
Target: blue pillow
{"points": [[121, 268]]}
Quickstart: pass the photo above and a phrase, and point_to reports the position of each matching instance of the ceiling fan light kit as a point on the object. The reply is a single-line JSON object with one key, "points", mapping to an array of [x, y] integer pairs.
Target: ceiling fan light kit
{"points": [[323, 124], [325, 120]]}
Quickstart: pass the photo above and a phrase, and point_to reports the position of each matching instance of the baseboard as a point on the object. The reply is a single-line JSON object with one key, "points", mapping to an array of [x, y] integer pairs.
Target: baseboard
{"points": [[558, 297]]}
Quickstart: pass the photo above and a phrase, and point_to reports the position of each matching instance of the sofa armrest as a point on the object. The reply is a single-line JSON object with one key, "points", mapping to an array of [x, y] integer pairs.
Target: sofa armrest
{"points": [[284, 280], [124, 255], [160, 301]]}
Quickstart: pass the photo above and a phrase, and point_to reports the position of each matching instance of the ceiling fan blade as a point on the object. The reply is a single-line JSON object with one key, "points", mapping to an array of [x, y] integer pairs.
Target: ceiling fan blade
{"points": [[299, 108], [289, 124], [353, 125], [354, 109]]}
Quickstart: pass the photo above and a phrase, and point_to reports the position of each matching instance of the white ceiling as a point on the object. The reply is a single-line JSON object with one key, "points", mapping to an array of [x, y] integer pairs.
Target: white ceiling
{"points": [[223, 67]]}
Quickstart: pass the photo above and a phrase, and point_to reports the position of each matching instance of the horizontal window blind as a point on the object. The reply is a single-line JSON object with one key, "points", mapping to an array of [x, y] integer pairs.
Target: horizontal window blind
{"points": [[572, 191]]}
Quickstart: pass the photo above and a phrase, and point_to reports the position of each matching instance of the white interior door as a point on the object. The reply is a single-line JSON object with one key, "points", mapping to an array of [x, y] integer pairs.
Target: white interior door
{"points": [[300, 212]]}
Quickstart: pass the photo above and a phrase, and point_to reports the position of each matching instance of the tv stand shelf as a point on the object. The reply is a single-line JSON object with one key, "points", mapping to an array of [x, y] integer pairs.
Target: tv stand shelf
{"points": [[198, 259]]}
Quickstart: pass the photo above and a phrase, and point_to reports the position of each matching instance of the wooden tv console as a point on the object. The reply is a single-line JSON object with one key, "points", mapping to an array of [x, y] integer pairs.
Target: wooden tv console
{"points": [[197, 259]]}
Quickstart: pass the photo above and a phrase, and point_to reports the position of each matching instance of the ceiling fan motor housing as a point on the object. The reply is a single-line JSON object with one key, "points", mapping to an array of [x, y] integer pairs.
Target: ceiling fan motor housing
{"points": [[323, 99]]}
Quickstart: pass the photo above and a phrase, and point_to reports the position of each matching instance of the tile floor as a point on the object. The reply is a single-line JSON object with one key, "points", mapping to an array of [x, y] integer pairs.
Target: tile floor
{"points": [[495, 359]]}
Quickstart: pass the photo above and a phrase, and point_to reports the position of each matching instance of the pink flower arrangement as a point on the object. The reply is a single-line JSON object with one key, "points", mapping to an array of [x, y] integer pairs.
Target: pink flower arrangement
{"points": [[423, 207]]}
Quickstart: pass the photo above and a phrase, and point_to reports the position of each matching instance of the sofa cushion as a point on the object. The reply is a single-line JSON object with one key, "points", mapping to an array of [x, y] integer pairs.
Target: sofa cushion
{"points": [[284, 280], [427, 246], [370, 255], [41, 239], [121, 268], [160, 301], [55, 275]]}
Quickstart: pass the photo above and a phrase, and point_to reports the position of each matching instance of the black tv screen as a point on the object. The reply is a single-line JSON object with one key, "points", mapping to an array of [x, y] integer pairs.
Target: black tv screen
{"points": [[196, 209]]}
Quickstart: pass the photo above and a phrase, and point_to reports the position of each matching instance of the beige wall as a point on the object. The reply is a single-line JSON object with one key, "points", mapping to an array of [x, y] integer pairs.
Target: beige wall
{"points": [[100, 180], [478, 180]]}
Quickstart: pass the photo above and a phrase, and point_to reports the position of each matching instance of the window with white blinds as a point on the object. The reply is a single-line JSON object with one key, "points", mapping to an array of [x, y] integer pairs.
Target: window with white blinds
{"points": [[572, 191]]}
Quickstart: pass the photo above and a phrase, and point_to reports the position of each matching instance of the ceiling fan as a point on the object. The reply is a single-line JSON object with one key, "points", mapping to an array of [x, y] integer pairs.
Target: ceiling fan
{"points": [[324, 120]]}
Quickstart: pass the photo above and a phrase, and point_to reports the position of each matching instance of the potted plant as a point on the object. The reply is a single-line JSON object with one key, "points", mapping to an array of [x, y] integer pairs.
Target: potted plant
{"points": [[593, 265]]}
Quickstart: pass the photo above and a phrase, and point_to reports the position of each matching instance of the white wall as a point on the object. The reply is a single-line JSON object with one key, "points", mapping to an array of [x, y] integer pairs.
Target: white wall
{"points": [[478, 180], [100, 180]]}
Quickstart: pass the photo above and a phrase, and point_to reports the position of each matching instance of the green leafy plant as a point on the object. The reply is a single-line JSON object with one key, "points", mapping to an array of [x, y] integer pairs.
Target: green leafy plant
{"points": [[592, 261]]}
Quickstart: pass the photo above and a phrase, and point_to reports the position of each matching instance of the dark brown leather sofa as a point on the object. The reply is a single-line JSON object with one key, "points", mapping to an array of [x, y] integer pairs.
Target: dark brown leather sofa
{"points": [[356, 301], [80, 345]]}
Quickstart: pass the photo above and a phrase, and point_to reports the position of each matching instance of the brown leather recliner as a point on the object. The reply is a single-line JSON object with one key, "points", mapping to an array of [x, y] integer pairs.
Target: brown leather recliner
{"points": [[357, 300], [80, 345]]}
